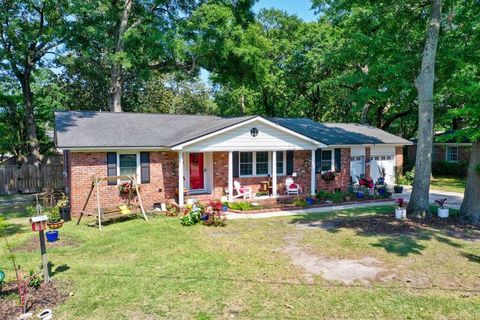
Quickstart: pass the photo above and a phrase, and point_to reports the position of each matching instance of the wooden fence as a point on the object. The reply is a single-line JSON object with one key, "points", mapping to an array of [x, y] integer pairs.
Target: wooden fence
{"points": [[30, 178]]}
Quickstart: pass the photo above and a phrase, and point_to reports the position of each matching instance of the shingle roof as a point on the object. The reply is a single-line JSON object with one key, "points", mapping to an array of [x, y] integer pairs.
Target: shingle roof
{"points": [[106, 129], [340, 133], [110, 129]]}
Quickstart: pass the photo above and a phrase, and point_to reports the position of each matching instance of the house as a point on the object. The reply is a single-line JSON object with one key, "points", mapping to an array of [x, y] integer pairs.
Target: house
{"points": [[206, 154], [449, 157]]}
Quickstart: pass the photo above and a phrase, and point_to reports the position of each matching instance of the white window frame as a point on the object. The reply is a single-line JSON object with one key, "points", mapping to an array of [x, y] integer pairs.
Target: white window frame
{"points": [[284, 163], [332, 160], [270, 164], [447, 158], [138, 174]]}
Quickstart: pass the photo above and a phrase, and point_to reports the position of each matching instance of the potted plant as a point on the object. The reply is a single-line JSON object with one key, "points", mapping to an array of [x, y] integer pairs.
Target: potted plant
{"points": [[401, 210], [54, 220], [361, 192], [398, 188], [328, 176], [442, 211]]}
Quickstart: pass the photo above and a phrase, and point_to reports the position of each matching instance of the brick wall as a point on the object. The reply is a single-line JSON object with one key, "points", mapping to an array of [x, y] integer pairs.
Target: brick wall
{"points": [[84, 165], [220, 173], [398, 161], [342, 179], [367, 161]]}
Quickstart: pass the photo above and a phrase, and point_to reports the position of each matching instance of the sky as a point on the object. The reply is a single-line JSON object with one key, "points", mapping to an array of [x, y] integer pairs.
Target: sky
{"points": [[299, 7]]}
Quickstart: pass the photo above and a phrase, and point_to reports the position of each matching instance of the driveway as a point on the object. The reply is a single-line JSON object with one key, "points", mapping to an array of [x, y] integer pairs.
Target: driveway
{"points": [[454, 199]]}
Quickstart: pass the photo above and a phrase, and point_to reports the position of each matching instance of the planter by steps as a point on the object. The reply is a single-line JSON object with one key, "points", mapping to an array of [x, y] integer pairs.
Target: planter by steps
{"points": [[442, 212], [400, 213]]}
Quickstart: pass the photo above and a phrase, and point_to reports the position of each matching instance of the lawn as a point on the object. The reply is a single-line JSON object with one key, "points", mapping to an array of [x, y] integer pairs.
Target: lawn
{"points": [[451, 184], [262, 269]]}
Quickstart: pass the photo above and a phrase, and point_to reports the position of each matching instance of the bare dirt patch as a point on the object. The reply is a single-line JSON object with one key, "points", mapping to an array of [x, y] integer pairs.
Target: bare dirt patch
{"points": [[346, 271], [46, 296], [33, 244]]}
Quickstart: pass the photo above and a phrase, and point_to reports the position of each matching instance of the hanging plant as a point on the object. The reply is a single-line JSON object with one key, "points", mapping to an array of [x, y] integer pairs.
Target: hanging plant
{"points": [[125, 187], [328, 176]]}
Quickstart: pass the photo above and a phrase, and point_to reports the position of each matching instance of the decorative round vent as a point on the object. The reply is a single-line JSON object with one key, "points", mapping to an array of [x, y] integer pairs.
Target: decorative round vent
{"points": [[254, 132]]}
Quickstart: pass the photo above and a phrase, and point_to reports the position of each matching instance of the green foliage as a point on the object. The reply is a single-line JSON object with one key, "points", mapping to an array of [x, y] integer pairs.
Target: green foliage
{"points": [[34, 279], [454, 169], [53, 214], [300, 202], [243, 206], [191, 216]]}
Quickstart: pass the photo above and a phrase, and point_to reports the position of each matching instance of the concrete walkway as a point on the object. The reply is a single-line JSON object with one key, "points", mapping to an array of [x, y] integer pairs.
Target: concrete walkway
{"points": [[261, 215], [454, 199]]}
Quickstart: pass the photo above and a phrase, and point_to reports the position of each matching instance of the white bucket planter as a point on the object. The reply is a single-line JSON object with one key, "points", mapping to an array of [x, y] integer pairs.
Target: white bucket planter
{"points": [[400, 213], [46, 314], [442, 212]]}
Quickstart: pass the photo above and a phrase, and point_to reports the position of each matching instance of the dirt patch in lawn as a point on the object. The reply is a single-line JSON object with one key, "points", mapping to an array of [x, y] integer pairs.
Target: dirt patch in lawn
{"points": [[46, 296], [388, 225], [33, 244], [346, 271]]}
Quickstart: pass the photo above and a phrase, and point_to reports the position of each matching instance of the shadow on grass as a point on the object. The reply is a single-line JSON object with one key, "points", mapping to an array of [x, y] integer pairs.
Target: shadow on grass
{"points": [[399, 237], [471, 257], [57, 270], [14, 228]]}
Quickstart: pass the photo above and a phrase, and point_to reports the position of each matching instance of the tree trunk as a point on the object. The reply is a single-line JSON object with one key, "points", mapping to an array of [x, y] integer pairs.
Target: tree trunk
{"points": [[33, 145], [242, 103], [364, 115], [116, 85], [419, 205], [470, 209]]}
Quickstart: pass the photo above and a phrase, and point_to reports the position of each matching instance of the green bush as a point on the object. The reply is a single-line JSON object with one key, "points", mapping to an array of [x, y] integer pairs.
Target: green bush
{"points": [[444, 168], [300, 202], [243, 206]]}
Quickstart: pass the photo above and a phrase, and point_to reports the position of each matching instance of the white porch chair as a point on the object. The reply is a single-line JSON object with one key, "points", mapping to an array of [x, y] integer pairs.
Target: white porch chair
{"points": [[292, 187], [242, 192]]}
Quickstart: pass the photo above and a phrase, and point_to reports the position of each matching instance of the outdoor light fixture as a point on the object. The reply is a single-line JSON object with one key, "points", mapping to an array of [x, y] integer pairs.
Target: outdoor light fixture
{"points": [[254, 132]]}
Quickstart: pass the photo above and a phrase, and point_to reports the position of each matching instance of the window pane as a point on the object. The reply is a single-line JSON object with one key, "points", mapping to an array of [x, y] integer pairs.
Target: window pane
{"points": [[279, 162], [452, 153], [128, 164], [246, 157], [262, 162], [246, 163], [326, 160]]}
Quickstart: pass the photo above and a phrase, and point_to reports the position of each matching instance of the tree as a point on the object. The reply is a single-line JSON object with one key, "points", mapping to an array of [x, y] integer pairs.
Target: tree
{"points": [[128, 39], [419, 204], [29, 30]]}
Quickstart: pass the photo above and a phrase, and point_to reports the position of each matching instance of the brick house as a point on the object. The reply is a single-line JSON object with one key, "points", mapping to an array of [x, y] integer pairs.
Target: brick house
{"points": [[449, 156], [206, 154]]}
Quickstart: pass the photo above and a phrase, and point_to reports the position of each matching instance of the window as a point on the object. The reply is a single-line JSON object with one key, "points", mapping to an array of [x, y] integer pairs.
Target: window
{"points": [[327, 160], [452, 154], [280, 163], [254, 132], [246, 163], [127, 164], [262, 163]]}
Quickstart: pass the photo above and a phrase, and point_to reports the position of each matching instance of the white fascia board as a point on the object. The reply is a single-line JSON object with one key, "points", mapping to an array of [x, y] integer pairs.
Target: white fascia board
{"points": [[314, 142]]}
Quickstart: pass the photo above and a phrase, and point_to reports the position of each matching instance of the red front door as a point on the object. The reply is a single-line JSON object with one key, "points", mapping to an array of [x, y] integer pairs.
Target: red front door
{"points": [[196, 171]]}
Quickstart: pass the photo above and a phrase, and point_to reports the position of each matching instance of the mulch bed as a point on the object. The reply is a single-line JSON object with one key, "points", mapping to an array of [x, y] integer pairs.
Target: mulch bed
{"points": [[46, 296], [322, 205], [388, 225]]}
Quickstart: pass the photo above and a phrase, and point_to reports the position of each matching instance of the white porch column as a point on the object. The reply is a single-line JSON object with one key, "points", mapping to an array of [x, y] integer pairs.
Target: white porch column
{"points": [[181, 186], [312, 175], [274, 174], [230, 176]]}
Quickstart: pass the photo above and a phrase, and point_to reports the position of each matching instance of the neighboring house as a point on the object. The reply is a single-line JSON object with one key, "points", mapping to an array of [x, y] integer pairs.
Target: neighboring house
{"points": [[206, 154], [449, 155]]}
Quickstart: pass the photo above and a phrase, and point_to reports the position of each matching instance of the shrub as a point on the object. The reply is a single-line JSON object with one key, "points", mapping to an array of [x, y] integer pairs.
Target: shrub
{"points": [[261, 193], [242, 206], [300, 202], [191, 215], [446, 168]]}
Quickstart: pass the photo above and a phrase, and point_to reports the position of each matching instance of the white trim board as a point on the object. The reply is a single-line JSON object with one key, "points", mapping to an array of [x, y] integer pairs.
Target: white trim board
{"points": [[314, 143]]}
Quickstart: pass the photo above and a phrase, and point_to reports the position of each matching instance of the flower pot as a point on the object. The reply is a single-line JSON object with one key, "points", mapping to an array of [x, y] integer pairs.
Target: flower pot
{"points": [[400, 213], [65, 214], [347, 198], [52, 235], [442, 212], [310, 201], [224, 208], [46, 314], [55, 225], [398, 189], [360, 194]]}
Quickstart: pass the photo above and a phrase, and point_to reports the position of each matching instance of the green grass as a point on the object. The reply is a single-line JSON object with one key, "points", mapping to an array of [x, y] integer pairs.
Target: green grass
{"points": [[452, 184], [160, 269]]}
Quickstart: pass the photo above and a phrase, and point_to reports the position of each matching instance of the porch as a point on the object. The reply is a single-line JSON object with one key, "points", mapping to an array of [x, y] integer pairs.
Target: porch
{"points": [[265, 173]]}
